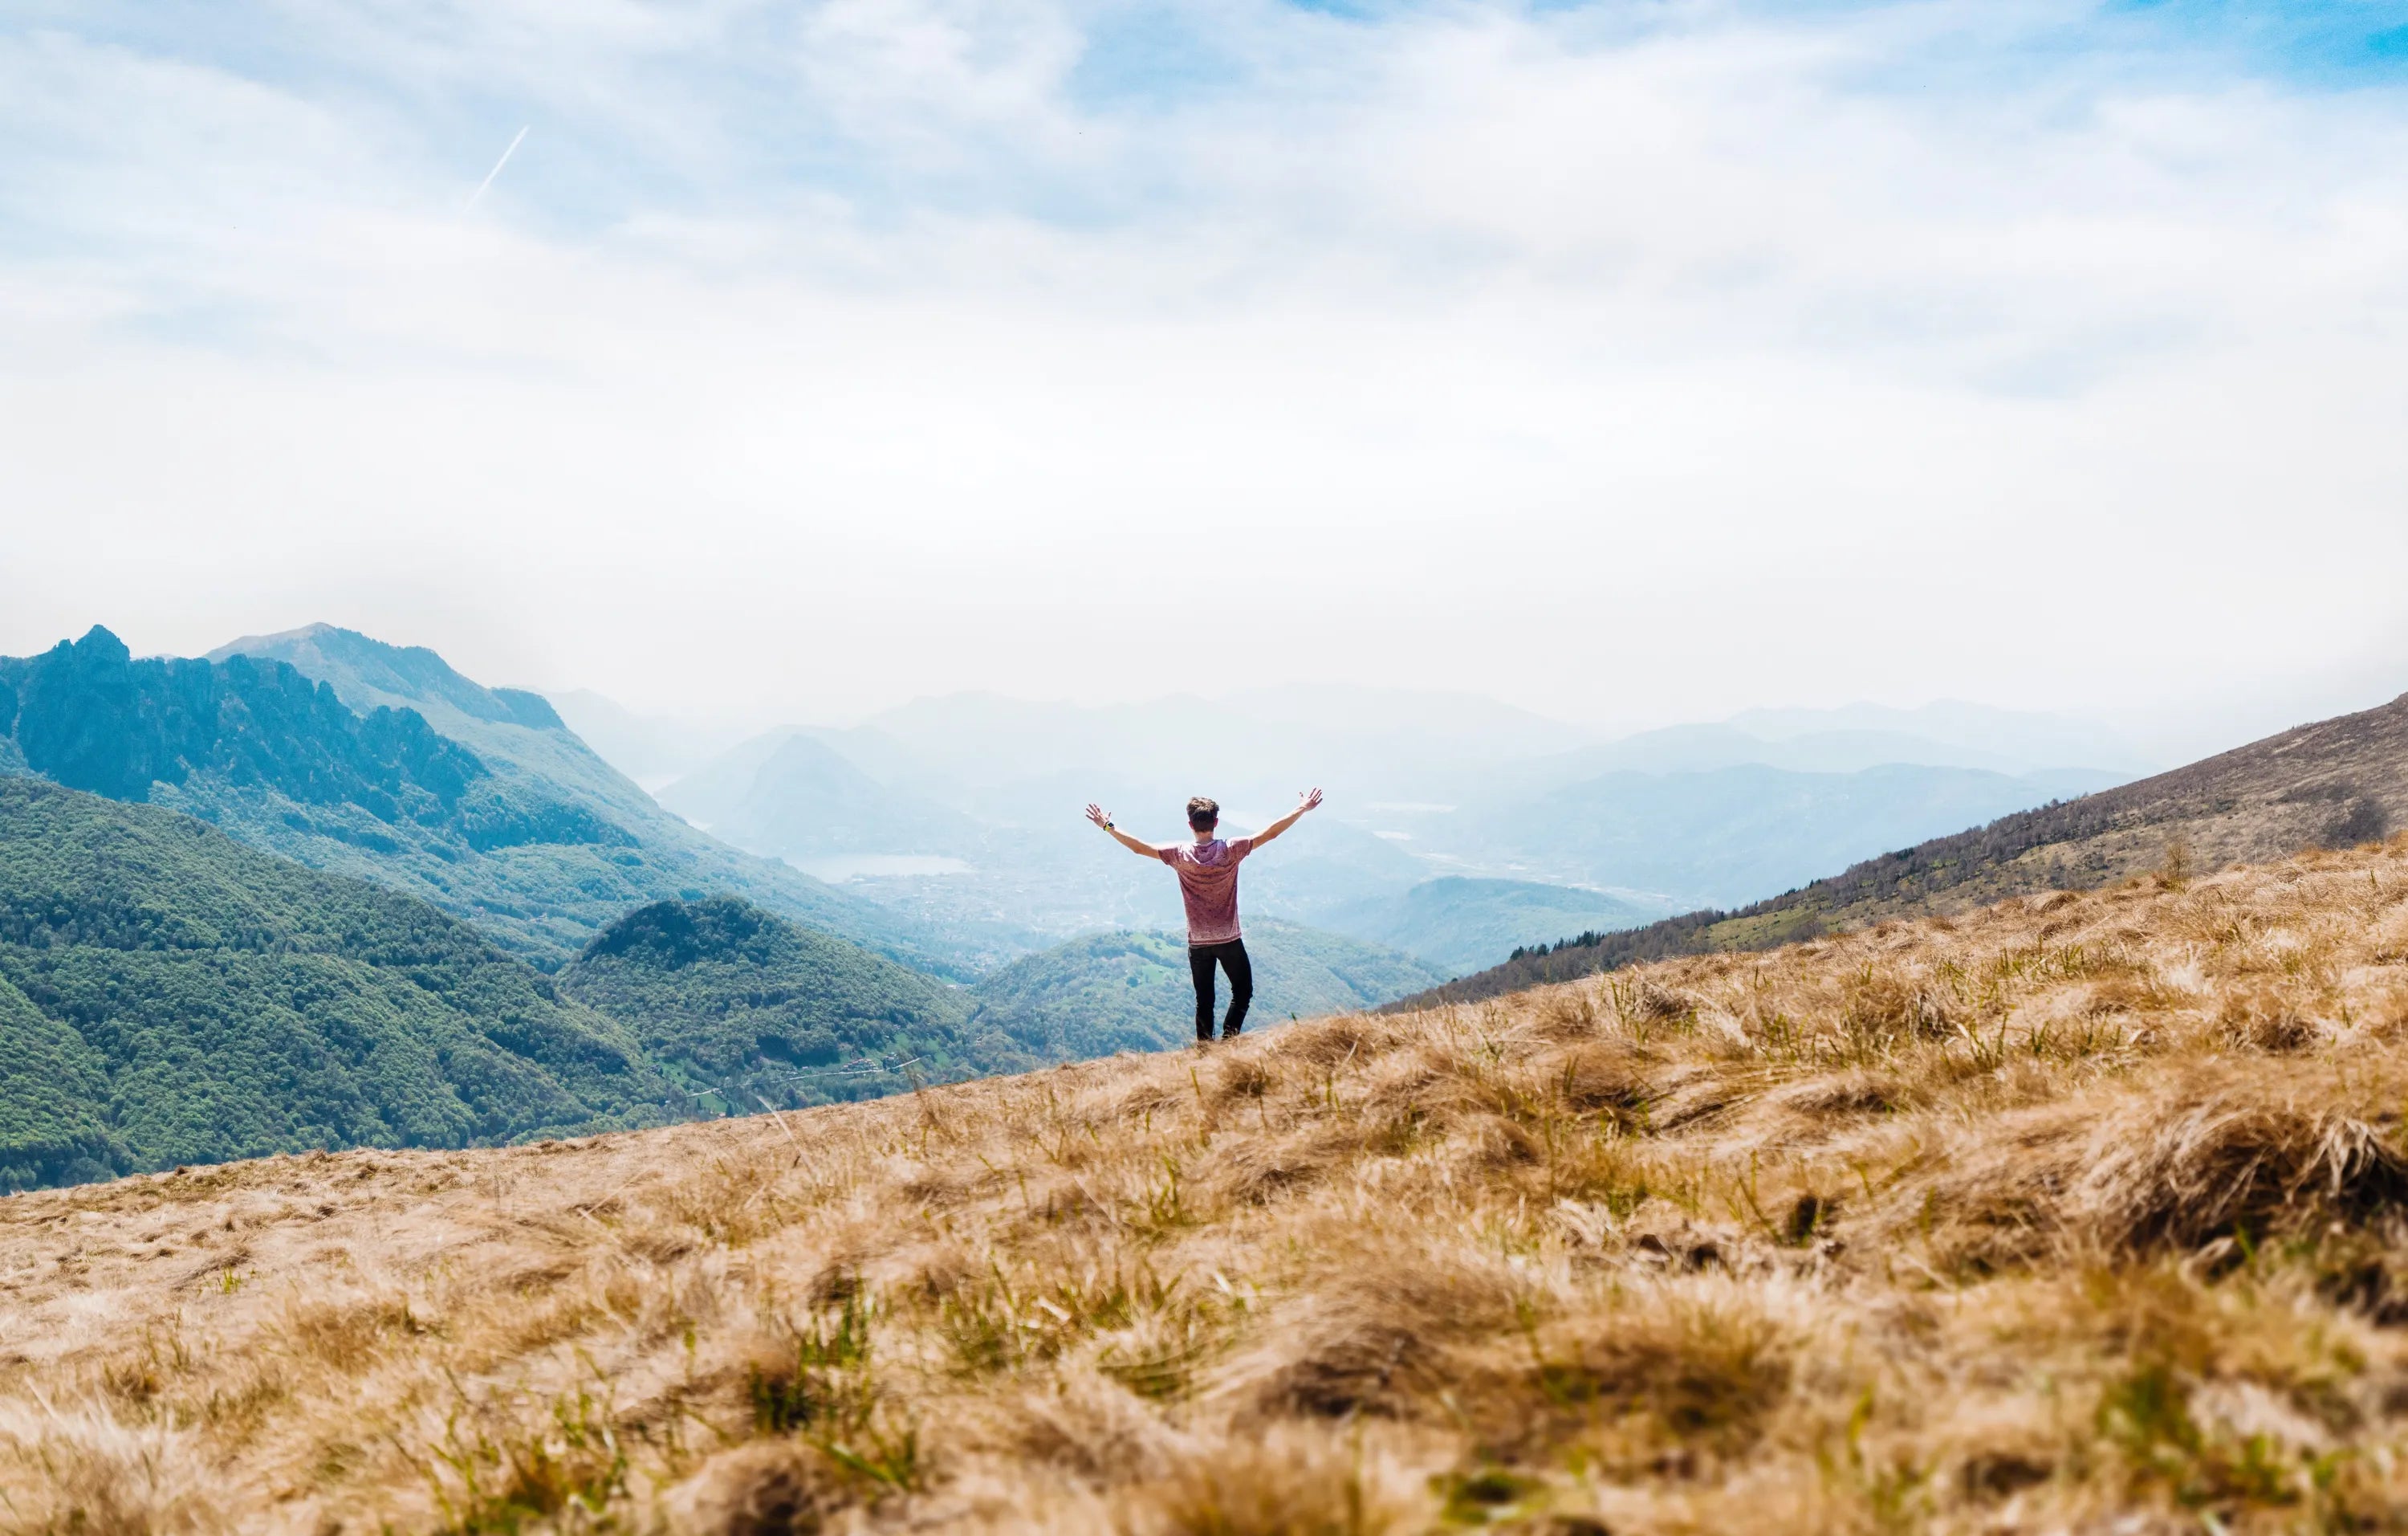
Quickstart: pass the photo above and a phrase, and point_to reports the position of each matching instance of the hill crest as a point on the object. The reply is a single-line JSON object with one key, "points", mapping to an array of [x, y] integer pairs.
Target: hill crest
{"points": [[89, 715], [366, 672]]}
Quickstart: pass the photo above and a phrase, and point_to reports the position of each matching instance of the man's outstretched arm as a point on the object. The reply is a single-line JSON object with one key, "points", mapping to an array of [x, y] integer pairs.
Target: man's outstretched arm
{"points": [[1305, 802], [1102, 818]]}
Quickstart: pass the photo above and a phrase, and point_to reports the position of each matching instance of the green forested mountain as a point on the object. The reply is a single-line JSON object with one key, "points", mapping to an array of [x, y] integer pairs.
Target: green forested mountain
{"points": [[169, 996], [388, 765], [745, 1008], [1130, 991]]}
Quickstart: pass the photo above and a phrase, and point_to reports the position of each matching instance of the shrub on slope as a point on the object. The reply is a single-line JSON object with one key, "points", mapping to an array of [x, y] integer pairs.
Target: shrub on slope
{"points": [[168, 995]]}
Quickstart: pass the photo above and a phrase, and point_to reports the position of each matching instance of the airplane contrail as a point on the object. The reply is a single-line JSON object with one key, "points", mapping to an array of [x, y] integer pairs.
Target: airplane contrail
{"points": [[495, 171]]}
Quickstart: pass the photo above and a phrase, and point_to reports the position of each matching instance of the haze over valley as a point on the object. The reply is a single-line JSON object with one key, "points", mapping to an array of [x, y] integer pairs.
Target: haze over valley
{"points": [[961, 809]]}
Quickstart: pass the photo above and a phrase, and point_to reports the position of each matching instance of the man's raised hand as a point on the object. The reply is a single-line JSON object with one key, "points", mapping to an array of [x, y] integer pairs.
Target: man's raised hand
{"points": [[1304, 802], [1098, 815]]}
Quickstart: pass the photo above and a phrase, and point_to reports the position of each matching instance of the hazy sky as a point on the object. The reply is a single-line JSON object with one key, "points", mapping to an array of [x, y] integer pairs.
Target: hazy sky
{"points": [[1627, 361]]}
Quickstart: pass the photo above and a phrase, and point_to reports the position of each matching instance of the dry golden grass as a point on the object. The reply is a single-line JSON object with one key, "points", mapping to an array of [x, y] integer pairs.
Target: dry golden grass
{"points": [[2088, 1212]]}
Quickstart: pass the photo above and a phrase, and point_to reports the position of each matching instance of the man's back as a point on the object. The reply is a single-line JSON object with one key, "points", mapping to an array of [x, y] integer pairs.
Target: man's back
{"points": [[1208, 884]]}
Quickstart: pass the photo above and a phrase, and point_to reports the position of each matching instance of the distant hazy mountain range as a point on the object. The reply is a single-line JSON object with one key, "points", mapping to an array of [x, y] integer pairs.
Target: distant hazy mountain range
{"points": [[652, 751], [1699, 749], [794, 796], [1950, 734], [1459, 924], [963, 812], [2334, 784], [1735, 834]]}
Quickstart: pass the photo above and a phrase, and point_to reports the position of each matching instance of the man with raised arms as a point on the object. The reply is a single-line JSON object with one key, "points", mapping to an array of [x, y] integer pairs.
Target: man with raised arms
{"points": [[1207, 883]]}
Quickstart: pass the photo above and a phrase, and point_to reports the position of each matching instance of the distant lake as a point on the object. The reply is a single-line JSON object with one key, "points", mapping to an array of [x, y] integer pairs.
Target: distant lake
{"points": [[842, 867]]}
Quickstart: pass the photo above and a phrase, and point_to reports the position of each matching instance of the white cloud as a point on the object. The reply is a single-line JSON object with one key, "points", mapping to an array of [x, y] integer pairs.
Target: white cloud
{"points": [[1624, 370]]}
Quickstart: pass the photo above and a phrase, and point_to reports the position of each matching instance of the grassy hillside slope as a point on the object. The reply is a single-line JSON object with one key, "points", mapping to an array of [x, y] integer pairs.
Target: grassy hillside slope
{"points": [[547, 896], [2336, 782], [2083, 1212], [1112, 992], [168, 995], [746, 1009]]}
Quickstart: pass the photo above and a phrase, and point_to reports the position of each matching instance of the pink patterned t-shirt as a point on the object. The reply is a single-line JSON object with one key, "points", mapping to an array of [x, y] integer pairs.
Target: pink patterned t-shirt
{"points": [[1208, 882]]}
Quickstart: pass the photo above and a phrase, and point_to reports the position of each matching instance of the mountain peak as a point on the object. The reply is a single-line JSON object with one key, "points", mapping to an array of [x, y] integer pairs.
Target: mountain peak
{"points": [[366, 672], [88, 715], [100, 644]]}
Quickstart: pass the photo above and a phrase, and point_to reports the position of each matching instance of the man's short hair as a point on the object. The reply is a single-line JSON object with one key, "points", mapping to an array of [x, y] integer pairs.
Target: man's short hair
{"points": [[1203, 813]]}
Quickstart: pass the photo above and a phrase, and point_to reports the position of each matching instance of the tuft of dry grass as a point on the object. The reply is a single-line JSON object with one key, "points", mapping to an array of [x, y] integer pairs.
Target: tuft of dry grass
{"points": [[2079, 1213]]}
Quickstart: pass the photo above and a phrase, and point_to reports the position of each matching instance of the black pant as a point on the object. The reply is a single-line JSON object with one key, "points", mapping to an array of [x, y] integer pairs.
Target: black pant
{"points": [[1231, 957]]}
